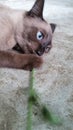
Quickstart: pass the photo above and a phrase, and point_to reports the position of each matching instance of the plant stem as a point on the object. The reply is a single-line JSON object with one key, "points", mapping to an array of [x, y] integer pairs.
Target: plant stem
{"points": [[30, 103]]}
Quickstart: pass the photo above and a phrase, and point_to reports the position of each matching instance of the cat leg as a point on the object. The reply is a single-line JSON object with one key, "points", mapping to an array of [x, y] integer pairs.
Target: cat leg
{"points": [[11, 59]]}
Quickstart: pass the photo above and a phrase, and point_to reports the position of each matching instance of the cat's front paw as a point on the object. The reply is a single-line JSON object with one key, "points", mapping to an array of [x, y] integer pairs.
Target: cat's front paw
{"points": [[33, 62]]}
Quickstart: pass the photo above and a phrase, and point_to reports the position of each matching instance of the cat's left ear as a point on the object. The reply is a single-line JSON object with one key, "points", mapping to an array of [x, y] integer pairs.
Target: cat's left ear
{"points": [[53, 26], [37, 9]]}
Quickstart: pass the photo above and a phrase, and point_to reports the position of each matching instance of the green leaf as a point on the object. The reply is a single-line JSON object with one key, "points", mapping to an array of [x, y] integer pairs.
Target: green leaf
{"points": [[48, 116]]}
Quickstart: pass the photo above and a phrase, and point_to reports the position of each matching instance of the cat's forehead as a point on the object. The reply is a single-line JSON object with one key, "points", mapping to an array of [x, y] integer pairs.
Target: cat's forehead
{"points": [[39, 24]]}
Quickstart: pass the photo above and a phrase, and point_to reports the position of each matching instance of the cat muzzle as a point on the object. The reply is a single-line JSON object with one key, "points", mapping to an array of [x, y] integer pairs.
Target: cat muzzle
{"points": [[43, 50]]}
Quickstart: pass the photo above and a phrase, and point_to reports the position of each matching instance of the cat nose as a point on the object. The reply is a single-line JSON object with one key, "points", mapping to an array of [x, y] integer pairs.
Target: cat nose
{"points": [[47, 49], [47, 46], [44, 48]]}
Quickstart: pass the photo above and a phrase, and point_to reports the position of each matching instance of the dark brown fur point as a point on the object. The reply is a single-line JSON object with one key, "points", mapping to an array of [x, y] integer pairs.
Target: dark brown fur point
{"points": [[24, 37]]}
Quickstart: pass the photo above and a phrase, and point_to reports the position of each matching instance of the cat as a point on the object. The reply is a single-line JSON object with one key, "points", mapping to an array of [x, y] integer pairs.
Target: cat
{"points": [[24, 37]]}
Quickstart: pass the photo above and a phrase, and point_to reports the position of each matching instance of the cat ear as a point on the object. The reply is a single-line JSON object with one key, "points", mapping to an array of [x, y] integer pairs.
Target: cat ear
{"points": [[37, 9], [53, 26]]}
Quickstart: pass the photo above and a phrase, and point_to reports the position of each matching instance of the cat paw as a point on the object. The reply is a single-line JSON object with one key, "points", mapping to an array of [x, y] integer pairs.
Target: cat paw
{"points": [[34, 62]]}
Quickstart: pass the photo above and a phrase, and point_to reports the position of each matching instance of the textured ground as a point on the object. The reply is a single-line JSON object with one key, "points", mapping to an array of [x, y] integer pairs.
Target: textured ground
{"points": [[54, 81]]}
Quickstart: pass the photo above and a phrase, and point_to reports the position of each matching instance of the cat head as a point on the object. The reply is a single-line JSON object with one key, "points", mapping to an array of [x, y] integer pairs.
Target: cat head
{"points": [[37, 33]]}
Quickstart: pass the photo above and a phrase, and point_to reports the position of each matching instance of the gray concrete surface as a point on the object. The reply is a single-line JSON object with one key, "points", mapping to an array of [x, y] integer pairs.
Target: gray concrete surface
{"points": [[53, 82]]}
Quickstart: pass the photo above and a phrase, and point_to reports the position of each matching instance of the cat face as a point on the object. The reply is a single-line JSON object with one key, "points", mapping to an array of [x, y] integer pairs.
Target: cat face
{"points": [[37, 33]]}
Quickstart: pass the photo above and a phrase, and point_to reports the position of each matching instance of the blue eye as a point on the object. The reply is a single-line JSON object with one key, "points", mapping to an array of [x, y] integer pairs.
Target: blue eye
{"points": [[40, 35]]}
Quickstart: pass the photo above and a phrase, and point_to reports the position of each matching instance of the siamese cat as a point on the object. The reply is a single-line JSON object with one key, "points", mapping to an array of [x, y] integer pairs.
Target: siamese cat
{"points": [[24, 37]]}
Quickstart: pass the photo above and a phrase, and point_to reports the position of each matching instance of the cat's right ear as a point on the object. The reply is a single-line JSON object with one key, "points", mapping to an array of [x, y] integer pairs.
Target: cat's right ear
{"points": [[53, 26], [37, 9]]}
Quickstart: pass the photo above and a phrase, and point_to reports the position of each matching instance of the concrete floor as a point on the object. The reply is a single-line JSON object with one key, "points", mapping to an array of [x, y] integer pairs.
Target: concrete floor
{"points": [[53, 82]]}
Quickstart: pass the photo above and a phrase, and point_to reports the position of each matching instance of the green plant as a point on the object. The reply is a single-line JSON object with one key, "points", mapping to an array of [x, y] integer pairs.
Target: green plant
{"points": [[34, 99]]}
